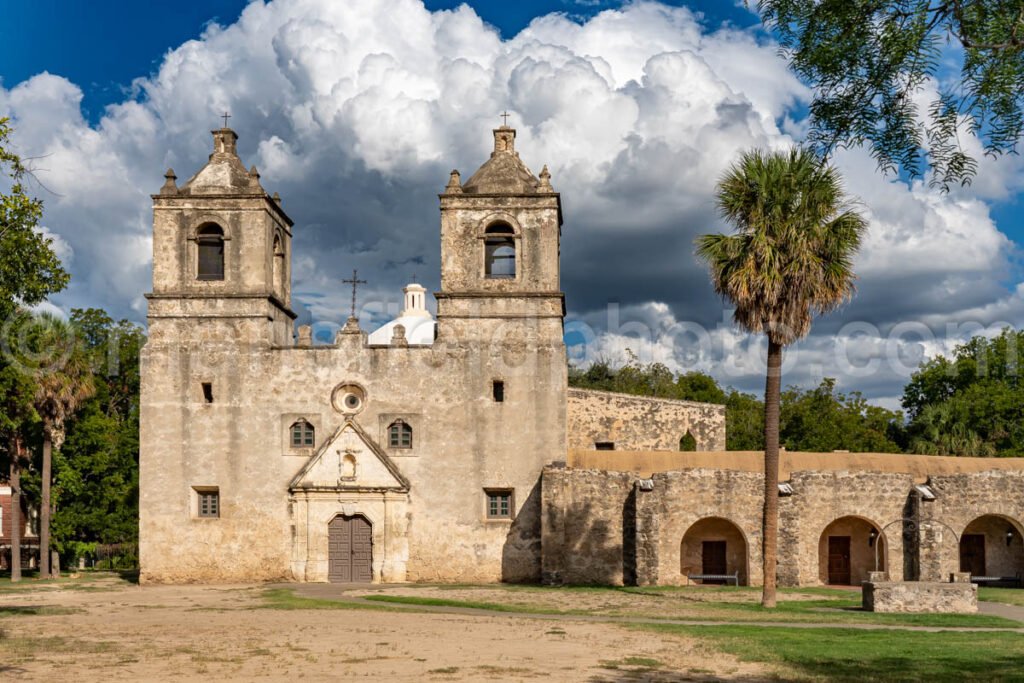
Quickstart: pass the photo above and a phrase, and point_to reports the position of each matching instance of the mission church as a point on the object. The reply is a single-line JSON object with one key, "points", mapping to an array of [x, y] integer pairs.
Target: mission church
{"points": [[413, 452], [452, 449]]}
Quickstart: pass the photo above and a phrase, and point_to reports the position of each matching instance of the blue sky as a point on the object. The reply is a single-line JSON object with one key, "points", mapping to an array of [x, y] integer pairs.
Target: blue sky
{"points": [[355, 111]]}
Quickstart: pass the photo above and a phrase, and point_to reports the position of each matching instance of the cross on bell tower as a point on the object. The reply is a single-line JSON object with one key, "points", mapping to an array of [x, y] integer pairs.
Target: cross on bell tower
{"points": [[355, 282]]}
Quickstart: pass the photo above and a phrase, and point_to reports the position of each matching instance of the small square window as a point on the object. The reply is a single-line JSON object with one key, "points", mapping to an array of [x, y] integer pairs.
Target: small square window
{"points": [[604, 446], [499, 391], [499, 503], [208, 392], [208, 501]]}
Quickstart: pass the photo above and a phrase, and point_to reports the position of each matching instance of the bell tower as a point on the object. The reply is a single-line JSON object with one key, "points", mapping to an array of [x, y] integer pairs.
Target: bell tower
{"points": [[221, 255], [500, 235]]}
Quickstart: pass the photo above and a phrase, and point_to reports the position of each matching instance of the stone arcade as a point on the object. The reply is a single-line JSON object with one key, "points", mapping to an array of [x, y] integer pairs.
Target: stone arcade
{"points": [[451, 449]]}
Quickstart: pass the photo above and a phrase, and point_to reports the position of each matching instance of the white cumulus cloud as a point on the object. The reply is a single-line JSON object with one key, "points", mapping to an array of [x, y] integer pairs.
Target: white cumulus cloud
{"points": [[355, 111]]}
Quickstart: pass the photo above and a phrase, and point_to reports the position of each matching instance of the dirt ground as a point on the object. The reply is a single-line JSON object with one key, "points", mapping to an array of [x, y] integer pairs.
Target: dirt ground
{"points": [[109, 630]]}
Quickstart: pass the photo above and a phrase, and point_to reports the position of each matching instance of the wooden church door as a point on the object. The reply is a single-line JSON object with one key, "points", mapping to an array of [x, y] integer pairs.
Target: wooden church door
{"points": [[350, 550]]}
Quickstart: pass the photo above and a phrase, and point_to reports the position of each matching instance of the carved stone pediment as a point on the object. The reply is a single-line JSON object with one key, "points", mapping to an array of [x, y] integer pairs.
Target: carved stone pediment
{"points": [[350, 460]]}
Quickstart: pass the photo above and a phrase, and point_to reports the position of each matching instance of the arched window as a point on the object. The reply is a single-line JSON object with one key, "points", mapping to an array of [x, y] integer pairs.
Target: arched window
{"points": [[278, 265], [688, 442], [210, 241], [500, 251], [399, 435], [303, 434]]}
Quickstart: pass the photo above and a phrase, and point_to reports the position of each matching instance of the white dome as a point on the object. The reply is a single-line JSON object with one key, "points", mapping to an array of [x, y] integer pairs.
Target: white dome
{"points": [[419, 331], [418, 323]]}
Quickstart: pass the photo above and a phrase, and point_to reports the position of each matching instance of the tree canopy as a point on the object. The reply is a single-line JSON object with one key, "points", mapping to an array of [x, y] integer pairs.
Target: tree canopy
{"points": [[29, 268], [96, 470], [869, 60], [970, 404]]}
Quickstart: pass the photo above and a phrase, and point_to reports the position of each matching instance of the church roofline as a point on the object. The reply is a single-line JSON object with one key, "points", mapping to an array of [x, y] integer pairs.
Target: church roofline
{"points": [[276, 208], [499, 295], [223, 295]]}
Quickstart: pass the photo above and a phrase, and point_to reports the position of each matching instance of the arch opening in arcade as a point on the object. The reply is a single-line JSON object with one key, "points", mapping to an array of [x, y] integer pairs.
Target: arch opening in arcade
{"points": [[714, 546], [848, 549], [993, 546]]}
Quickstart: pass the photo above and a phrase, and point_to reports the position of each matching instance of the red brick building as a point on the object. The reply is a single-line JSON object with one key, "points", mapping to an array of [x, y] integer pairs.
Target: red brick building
{"points": [[29, 534]]}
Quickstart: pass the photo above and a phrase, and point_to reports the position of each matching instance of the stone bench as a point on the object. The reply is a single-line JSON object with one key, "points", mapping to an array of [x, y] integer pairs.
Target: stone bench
{"points": [[735, 577]]}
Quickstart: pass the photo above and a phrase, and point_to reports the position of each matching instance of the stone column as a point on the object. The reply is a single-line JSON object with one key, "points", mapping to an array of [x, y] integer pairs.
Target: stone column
{"points": [[647, 537], [552, 525]]}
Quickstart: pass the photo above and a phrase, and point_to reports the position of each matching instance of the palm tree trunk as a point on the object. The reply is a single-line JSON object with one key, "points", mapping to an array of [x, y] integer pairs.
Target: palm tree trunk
{"points": [[770, 519], [15, 481], [44, 513]]}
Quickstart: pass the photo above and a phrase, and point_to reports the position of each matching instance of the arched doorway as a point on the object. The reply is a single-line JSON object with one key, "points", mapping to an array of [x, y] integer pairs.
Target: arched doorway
{"points": [[848, 549], [714, 545], [992, 545], [349, 550]]}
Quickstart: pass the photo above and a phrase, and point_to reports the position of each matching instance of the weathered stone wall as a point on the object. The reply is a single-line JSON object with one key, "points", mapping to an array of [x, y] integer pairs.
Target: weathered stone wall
{"points": [[921, 467], [639, 423], [612, 527], [684, 502], [821, 498], [464, 442], [586, 534], [236, 335], [961, 499]]}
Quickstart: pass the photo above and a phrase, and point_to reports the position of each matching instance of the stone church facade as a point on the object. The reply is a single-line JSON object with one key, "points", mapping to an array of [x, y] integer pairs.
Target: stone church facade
{"points": [[452, 449], [410, 454]]}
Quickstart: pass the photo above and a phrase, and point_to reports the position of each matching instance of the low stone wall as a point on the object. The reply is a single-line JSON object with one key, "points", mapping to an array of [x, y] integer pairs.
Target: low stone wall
{"points": [[920, 596], [641, 423]]}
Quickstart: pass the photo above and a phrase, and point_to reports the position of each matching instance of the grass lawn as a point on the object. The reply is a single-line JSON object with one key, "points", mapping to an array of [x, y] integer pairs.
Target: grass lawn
{"points": [[285, 598], [837, 654], [1007, 596], [815, 605]]}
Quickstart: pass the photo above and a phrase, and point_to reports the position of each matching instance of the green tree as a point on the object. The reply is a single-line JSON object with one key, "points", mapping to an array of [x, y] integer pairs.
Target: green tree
{"points": [[96, 468], [29, 272], [63, 382], [744, 422], [791, 258], [653, 379], [868, 59], [971, 404], [17, 416], [824, 420], [29, 268]]}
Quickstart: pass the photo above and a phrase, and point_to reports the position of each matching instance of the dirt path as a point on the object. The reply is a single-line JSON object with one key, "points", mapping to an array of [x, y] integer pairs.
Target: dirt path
{"points": [[184, 633]]}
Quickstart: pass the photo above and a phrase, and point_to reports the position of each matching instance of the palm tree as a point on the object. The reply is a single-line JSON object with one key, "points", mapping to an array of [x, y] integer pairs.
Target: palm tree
{"points": [[790, 258], [60, 390]]}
